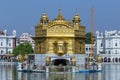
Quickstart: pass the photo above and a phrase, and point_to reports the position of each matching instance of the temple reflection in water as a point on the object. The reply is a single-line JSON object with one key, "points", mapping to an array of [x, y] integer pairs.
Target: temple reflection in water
{"points": [[110, 72]]}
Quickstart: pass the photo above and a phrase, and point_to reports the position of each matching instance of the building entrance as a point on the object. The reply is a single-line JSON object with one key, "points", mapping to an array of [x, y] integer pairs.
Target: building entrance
{"points": [[62, 62]]}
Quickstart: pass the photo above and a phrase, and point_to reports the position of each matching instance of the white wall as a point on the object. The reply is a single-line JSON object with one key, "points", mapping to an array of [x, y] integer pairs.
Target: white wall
{"points": [[6, 42]]}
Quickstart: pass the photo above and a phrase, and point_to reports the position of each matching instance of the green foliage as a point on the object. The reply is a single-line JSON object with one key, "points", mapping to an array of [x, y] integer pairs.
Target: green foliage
{"points": [[88, 36], [23, 49]]}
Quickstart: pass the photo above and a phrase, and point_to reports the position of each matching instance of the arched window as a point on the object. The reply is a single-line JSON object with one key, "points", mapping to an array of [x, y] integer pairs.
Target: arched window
{"points": [[1, 51], [86, 49], [101, 44], [119, 59], [109, 60], [105, 59], [116, 59], [116, 44], [108, 52]]}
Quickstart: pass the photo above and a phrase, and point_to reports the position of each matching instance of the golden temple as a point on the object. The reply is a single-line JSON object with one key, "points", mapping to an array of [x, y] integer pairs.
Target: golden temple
{"points": [[59, 36]]}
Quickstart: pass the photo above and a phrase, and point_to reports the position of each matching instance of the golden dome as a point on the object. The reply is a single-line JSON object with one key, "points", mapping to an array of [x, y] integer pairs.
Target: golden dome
{"points": [[44, 17], [76, 18], [59, 17]]}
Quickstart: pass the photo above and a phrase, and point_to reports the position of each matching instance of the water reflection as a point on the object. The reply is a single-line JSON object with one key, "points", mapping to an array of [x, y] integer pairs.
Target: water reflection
{"points": [[7, 72], [110, 72], [31, 76], [54, 76]]}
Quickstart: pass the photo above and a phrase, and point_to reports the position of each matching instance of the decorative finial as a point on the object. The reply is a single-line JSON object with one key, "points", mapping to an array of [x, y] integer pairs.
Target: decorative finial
{"points": [[44, 11], [76, 11], [59, 14], [59, 10]]}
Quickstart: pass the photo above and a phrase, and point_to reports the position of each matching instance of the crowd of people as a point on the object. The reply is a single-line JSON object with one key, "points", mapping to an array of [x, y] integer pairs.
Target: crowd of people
{"points": [[7, 59]]}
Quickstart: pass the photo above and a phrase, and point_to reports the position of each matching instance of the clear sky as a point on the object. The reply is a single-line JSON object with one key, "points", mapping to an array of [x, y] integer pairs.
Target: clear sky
{"points": [[23, 15]]}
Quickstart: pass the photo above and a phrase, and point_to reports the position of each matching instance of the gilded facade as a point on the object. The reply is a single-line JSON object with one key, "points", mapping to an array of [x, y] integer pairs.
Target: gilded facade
{"points": [[59, 36]]}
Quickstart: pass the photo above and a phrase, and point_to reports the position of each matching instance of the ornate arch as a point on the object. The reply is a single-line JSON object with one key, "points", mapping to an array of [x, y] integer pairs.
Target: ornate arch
{"points": [[116, 59], [109, 59], [105, 59], [119, 60]]}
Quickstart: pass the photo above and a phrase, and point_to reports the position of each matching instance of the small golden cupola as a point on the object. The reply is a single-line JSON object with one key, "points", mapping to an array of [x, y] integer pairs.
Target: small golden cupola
{"points": [[76, 18], [59, 17], [44, 19]]}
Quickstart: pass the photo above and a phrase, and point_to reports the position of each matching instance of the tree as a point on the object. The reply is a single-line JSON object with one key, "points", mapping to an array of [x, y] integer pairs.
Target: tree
{"points": [[88, 36], [24, 48]]}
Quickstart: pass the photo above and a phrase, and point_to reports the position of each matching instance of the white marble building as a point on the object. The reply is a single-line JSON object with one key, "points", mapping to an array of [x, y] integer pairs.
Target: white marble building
{"points": [[7, 42], [108, 44], [26, 37], [88, 48]]}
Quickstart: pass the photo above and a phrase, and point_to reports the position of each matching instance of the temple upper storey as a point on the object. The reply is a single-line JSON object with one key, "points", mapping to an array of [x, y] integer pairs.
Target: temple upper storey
{"points": [[59, 26]]}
